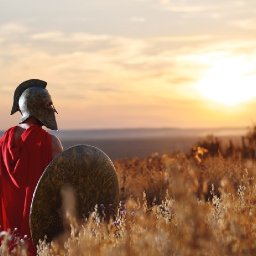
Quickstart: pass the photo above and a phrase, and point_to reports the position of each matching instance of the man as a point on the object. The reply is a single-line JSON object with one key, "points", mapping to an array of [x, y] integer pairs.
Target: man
{"points": [[25, 151]]}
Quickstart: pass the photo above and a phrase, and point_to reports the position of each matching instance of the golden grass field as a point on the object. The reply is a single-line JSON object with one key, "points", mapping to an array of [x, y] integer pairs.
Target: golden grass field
{"points": [[170, 205]]}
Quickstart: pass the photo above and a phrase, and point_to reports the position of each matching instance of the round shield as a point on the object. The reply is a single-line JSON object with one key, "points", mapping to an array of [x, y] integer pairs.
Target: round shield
{"points": [[86, 171]]}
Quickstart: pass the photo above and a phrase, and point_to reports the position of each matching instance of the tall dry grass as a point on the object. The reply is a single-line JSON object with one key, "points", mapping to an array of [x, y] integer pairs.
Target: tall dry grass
{"points": [[171, 205]]}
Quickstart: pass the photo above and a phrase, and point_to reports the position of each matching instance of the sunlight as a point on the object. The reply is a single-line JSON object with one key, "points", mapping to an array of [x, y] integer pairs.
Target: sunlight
{"points": [[229, 82]]}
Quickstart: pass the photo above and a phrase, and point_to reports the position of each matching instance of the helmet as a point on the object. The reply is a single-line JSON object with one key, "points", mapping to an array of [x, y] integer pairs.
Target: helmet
{"points": [[37, 102], [21, 88]]}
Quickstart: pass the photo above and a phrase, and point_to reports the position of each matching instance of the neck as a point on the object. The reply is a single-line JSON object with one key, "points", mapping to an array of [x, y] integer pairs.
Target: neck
{"points": [[29, 122]]}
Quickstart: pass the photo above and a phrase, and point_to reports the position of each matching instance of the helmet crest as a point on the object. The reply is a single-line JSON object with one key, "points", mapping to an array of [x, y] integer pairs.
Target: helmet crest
{"points": [[21, 88]]}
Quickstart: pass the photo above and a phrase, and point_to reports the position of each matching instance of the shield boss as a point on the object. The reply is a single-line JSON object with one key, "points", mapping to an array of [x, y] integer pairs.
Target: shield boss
{"points": [[90, 174]]}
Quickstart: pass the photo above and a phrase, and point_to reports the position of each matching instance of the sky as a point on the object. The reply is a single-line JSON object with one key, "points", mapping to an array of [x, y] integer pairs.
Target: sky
{"points": [[133, 63]]}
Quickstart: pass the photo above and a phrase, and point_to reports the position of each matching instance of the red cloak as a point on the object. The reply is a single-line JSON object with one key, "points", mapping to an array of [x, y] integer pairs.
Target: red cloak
{"points": [[22, 163]]}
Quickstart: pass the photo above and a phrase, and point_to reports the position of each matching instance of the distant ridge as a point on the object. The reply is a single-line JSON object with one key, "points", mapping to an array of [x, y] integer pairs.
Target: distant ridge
{"points": [[136, 133], [141, 142], [143, 133]]}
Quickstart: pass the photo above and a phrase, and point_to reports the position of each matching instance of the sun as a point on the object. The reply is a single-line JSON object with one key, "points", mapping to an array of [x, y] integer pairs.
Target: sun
{"points": [[228, 82]]}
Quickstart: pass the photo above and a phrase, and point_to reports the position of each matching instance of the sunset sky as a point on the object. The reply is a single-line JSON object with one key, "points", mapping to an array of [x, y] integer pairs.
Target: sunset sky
{"points": [[133, 63]]}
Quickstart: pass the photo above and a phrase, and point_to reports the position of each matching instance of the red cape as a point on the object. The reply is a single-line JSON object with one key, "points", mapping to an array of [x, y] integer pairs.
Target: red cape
{"points": [[22, 163]]}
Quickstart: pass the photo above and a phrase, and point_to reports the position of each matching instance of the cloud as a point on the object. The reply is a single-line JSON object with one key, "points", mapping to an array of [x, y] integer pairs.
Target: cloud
{"points": [[244, 23], [82, 58], [185, 6], [138, 20], [12, 28], [229, 12], [165, 2], [52, 36], [96, 72]]}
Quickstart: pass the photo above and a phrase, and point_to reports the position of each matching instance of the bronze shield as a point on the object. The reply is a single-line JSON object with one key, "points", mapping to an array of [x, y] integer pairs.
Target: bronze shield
{"points": [[91, 175]]}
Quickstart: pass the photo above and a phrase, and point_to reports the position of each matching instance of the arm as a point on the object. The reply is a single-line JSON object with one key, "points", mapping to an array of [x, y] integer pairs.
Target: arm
{"points": [[56, 146]]}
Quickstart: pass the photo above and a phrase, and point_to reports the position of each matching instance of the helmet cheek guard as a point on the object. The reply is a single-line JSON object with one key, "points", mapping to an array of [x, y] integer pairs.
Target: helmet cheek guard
{"points": [[37, 102]]}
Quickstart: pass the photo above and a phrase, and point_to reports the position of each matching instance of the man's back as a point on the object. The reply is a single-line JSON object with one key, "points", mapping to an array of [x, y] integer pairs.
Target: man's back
{"points": [[56, 143]]}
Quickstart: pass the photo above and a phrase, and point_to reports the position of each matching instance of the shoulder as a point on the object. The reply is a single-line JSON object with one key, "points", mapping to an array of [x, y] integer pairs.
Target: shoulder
{"points": [[56, 145], [9, 133], [11, 130]]}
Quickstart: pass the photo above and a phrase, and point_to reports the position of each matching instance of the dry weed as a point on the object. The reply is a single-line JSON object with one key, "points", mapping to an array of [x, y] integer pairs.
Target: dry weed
{"points": [[170, 206]]}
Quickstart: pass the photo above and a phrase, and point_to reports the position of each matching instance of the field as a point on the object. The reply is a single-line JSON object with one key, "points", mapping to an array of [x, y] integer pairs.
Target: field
{"points": [[171, 204]]}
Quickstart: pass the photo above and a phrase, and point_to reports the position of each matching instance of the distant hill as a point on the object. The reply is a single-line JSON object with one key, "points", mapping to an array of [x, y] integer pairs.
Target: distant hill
{"points": [[125, 143], [142, 133]]}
